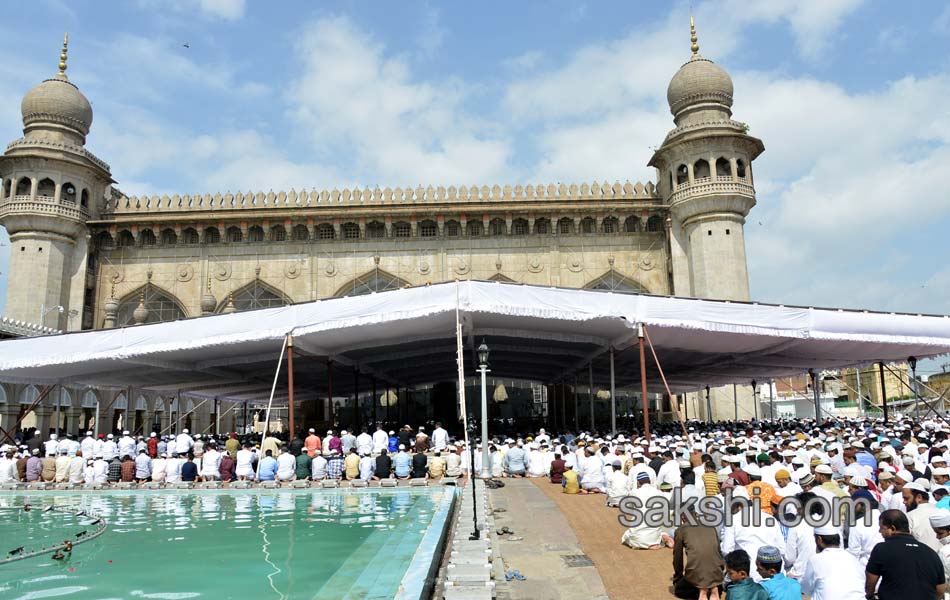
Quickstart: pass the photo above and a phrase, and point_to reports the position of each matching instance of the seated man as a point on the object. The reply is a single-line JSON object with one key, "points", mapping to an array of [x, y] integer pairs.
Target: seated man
{"points": [[436, 466], [267, 469], [384, 465], [286, 465], [616, 484], [741, 586], [645, 536]]}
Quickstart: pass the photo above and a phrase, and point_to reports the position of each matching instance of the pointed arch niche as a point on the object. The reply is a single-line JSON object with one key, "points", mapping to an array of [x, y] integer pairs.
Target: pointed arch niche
{"points": [[161, 305], [376, 280], [254, 295], [613, 281]]}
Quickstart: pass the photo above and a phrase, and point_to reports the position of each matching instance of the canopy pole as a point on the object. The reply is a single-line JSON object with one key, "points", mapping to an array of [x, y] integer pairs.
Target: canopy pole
{"points": [[96, 423], [375, 400], [772, 399], [575, 402], [673, 401], [356, 398], [643, 383], [709, 415], [735, 400], [817, 396], [290, 384], [883, 389], [270, 402], [590, 392], [613, 396], [59, 400], [330, 393], [245, 418]]}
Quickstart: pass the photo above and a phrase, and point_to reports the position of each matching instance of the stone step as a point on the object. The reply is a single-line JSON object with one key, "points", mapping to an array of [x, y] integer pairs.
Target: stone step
{"points": [[468, 593], [468, 573]]}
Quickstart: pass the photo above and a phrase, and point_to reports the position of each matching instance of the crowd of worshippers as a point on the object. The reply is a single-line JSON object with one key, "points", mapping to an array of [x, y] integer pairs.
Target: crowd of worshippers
{"points": [[406, 454]]}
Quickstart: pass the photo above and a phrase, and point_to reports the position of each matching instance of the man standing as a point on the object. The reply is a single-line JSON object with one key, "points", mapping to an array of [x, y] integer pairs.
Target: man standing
{"points": [[183, 443], [364, 443], [905, 567], [233, 445], [380, 440], [126, 445], [919, 509], [440, 437], [152, 445], [51, 445], [109, 448], [88, 445], [832, 573], [312, 443], [347, 441]]}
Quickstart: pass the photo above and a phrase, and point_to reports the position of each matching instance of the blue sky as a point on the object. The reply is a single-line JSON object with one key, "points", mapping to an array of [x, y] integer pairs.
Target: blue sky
{"points": [[849, 97]]}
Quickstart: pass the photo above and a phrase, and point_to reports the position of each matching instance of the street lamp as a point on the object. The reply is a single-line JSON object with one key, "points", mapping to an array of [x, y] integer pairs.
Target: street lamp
{"points": [[483, 369], [45, 311], [912, 361], [755, 399]]}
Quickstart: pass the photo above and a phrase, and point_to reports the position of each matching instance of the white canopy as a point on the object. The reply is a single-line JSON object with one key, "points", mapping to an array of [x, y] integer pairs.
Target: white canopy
{"points": [[406, 337]]}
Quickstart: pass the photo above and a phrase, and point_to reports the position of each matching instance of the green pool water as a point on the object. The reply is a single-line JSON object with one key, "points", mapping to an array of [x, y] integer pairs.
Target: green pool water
{"points": [[266, 544]]}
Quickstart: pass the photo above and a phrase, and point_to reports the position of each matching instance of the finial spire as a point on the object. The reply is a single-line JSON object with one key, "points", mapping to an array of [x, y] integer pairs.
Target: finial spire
{"points": [[692, 36], [62, 56]]}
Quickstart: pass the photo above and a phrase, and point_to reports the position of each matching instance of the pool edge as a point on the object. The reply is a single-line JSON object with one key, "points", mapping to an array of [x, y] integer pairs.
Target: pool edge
{"points": [[420, 576]]}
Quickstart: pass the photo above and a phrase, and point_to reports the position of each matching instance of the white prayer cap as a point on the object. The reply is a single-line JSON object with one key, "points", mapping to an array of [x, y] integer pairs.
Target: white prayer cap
{"points": [[937, 458], [153, 434], [110, 436], [925, 484], [88, 433], [942, 471], [858, 481], [940, 518], [52, 436], [753, 470], [127, 433], [343, 432], [824, 470], [827, 530], [905, 476], [914, 485], [653, 449], [184, 431], [312, 430]]}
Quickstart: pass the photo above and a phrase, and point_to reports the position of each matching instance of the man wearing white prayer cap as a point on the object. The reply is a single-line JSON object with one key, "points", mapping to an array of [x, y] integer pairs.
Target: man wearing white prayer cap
{"points": [[832, 573], [919, 509], [940, 523]]}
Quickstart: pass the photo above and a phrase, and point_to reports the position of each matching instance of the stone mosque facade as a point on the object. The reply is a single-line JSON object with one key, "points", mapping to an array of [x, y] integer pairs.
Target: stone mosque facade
{"points": [[87, 256]]}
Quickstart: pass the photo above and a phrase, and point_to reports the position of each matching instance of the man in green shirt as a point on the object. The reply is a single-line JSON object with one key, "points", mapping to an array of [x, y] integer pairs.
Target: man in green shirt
{"points": [[303, 466]]}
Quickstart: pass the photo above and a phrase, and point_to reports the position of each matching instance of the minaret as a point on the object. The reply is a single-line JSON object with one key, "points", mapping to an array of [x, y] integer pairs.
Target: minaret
{"points": [[51, 187], [704, 175]]}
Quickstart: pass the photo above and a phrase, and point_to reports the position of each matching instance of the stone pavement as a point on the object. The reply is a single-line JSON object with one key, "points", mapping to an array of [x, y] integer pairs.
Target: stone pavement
{"points": [[548, 538]]}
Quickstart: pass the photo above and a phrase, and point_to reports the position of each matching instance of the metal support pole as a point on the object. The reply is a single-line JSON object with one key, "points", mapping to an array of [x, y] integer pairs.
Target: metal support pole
{"points": [[59, 400], [290, 385], [735, 400], [217, 416], [245, 418], [772, 399], [330, 392], [375, 400], [883, 390], [709, 415], [857, 373], [755, 400], [485, 472], [96, 432], [814, 388], [613, 397], [575, 402], [643, 384], [357, 424], [913, 372], [590, 392]]}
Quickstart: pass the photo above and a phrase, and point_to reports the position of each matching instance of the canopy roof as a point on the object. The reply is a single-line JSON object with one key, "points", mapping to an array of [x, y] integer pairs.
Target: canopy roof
{"points": [[407, 337]]}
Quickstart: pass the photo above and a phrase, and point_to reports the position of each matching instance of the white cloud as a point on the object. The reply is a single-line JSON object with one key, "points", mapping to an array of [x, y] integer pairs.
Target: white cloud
{"points": [[525, 61], [229, 10]]}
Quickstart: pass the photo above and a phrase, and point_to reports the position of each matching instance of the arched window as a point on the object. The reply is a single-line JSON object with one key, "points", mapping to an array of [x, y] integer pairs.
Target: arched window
{"points": [[121, 402], [632, 224], [682, 175], [701, 169], [374, 281], [301, 233], [146, 237], [402, 230], [350, 231], [24, 186], [7, 184], [655, 224], [474, 228], [47, 189], [722, 167], [84, 197], [375, 230], [254, 295], [104, 241], [189, 236], [68, 193], [169, 237], [325, 232], [453, 228], [159, 405], [29, 394], [542, 226], [89, 399], [519, 227], [212, 236], [740, 168], [497, 227], [62, 397], [255, 233], [565, 225], [234, 234], [671, 181], [588, 225], [610, 225], [161, 306], [278, 233], [141, 403], [428, 228], [3, 395], [125, 239], [615, 282]]}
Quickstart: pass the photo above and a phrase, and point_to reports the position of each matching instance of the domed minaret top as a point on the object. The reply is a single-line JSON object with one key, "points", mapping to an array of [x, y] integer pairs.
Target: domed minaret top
{"points": [[700, 87], [56, 109]]}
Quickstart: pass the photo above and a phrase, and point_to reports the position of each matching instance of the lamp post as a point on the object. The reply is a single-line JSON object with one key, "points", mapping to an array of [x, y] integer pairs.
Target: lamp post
{"points": [[755, 399], [912, 361], [483, 369], [45, 311]]}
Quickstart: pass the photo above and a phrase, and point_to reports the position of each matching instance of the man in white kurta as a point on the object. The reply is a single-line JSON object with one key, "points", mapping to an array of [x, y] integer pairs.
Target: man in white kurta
{"points": [[380, 440], [210, 463], [183, 443], [644, 536], [833, 573], [616, 484], [286, 466], [751, 537], [440, 437]]}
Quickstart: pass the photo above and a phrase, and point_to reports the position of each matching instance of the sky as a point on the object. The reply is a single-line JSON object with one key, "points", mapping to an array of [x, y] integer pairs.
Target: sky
{"points": [[849, 97]]}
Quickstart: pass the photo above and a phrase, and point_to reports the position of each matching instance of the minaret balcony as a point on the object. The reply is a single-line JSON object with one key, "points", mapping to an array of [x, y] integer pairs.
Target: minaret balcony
{"points": [[711, 186], [28, 205]]}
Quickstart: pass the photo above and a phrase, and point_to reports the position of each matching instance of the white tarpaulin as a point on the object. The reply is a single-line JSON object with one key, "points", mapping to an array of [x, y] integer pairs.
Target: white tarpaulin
{"points": [[407, 337]]}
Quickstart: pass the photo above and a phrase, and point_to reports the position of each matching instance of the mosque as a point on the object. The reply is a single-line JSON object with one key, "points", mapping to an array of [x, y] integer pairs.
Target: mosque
{"points": [[87, 256]]}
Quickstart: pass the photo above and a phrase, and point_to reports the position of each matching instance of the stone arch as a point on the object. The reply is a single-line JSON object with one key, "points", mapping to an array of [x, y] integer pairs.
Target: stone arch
{"points": [[542, 226], [29, 394], [616, 282], [610, 225], [169, 237], [740, 168], [3, 395], [301, 233], [121, 402], [350, 231], [428, 228], [520, 227], [325, 231], [68, 193], [104, 241], [255, 295], [161, 305], [84, 197], [375, 230], [632, 224], [141, 403], [125, 239], [701, 169], [588, 225], [255, 233], [278, 233], [233, 234], [565, 226], [46, 188], [159, 405], [89, 399], [723, 168], [453, 228], [146, 237], [63, 397], [7, 185], [497, 227], [376, 280], [655, 224], [189, 236], [212, 235], [24, 186], [682, 175]]}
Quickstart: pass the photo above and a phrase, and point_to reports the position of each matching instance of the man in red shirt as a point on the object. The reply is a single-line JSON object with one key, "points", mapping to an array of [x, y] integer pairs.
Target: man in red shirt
{"points": [[153, 446]]}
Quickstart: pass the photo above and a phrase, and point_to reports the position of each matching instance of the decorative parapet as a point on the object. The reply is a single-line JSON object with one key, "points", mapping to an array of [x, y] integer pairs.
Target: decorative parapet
{"points": [[28, 205], [14, 328], [737, 126], [28, 143], [707, 186], [367, 196]]}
